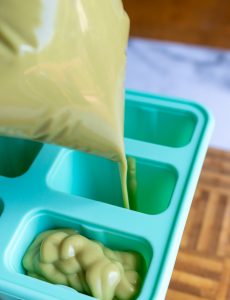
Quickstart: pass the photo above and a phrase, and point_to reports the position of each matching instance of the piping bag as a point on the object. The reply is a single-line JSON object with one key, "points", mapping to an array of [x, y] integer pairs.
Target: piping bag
{"points": [[62, 74]]}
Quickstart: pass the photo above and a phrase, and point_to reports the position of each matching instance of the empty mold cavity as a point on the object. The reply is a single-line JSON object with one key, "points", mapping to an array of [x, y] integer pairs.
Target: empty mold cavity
{"points": [[156, 125], [88, 176], [16, 155], [96, 178], [35, 223]]}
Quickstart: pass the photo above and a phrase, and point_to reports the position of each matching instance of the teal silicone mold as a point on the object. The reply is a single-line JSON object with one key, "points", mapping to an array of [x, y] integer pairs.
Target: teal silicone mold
{"points": [[45, 186]]}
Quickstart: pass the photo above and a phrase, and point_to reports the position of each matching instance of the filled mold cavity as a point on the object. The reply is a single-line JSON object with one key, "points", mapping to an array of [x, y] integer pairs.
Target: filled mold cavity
{"points": [[35, 223], [96, 178], [17, 155], [157, 125]]}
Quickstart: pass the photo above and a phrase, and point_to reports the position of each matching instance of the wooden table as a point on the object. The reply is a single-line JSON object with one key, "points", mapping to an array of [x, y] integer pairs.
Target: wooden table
{"points": [[202, 270]]}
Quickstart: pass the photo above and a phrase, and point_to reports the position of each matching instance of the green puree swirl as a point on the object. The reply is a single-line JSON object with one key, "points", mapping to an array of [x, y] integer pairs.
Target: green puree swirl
{"points": [[65, 257]]}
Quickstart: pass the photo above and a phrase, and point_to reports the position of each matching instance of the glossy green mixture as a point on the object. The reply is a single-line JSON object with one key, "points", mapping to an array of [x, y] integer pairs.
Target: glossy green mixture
{"points": [[65, 257]]}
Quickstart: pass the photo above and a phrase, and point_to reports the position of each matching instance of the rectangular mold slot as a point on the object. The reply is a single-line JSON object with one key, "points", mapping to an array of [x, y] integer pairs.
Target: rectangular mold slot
{"points": [[37, 222], [154, 186], [96, 178], [158, 125], [88, 176], [17, 155]]}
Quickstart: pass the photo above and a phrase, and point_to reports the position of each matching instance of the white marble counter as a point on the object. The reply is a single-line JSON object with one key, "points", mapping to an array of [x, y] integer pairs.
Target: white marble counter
{"points": [[183, 71]]}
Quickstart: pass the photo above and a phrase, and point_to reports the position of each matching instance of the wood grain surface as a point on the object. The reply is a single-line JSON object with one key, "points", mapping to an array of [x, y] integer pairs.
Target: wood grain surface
{"points": [[202, 270], [203, 22]]}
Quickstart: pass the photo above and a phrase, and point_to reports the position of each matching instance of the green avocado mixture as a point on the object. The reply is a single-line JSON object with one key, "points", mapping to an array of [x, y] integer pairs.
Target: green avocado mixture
{"points": [[63, 256]]}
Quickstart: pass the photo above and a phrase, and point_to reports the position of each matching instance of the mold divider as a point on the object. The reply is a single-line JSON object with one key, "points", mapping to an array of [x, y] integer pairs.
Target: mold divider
{"points": [[42, 164], [157, 153], [166, 102], [22, 289], [85, 210], [8, 225]]}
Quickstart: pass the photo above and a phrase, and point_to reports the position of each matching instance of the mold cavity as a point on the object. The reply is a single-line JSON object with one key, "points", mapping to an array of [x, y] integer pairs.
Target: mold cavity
{"points": [[16, 155], [156, 125], [155, 184], [1, 206], [96, 178], [35, 223], [88, 176]]}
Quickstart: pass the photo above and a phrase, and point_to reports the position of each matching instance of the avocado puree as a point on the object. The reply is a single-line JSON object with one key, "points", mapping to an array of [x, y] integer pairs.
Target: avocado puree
{"points": [[65, 257], [61, 71]]}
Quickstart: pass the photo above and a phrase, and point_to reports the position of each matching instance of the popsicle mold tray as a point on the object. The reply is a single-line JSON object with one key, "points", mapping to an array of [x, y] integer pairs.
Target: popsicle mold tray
{"points": [[45, 186]]}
